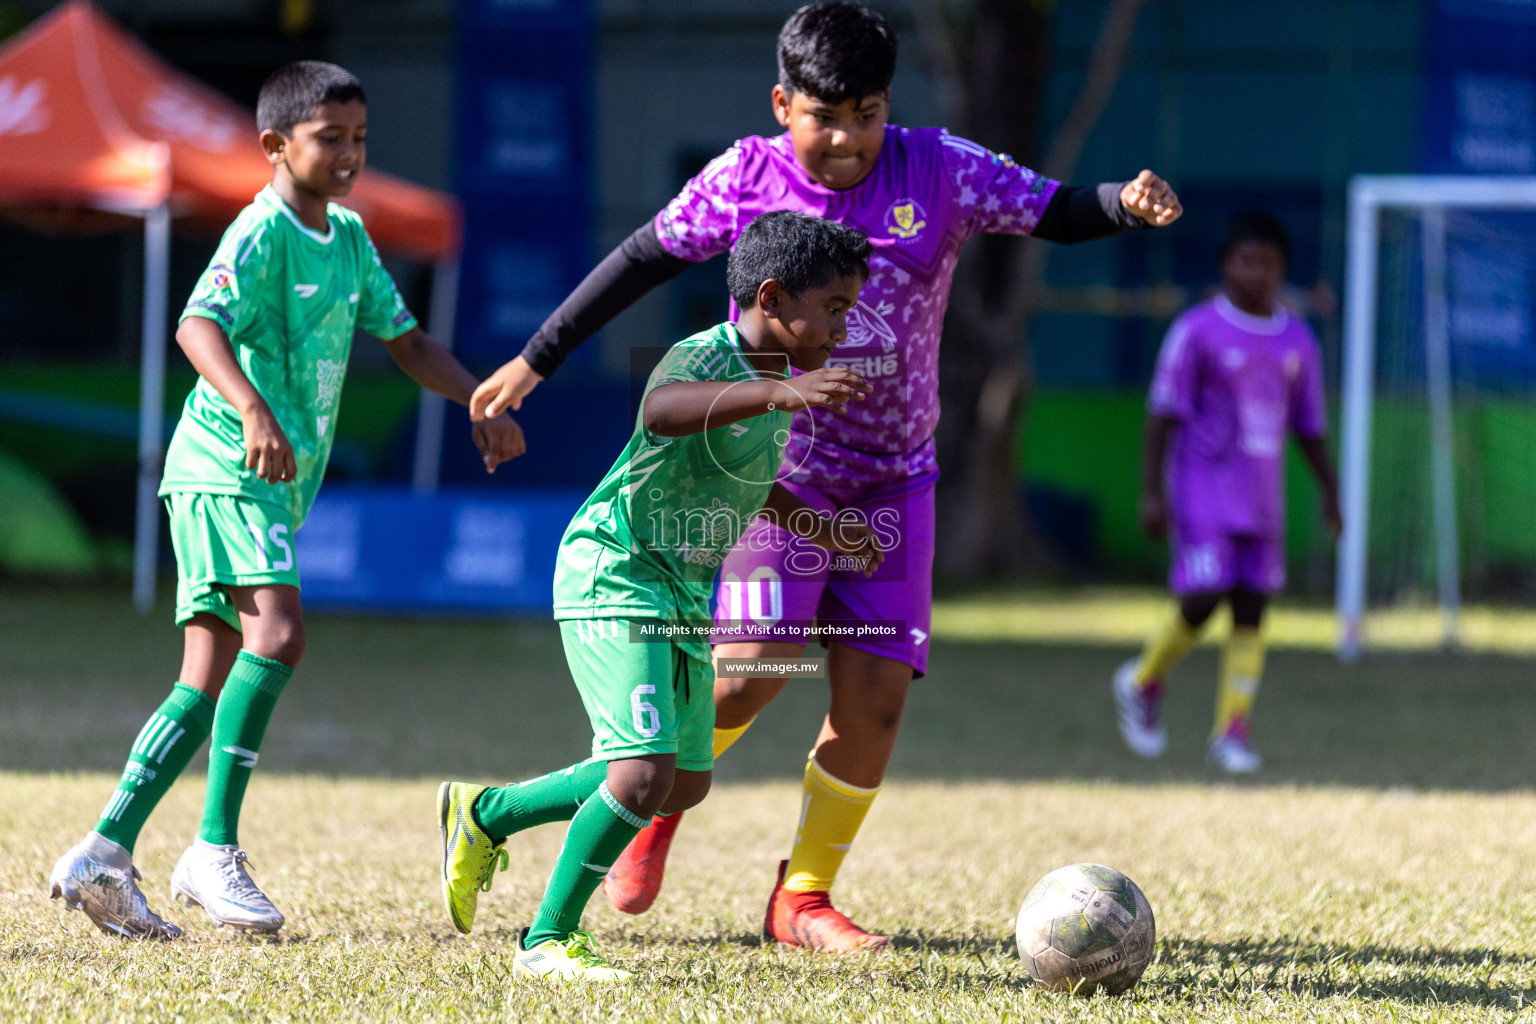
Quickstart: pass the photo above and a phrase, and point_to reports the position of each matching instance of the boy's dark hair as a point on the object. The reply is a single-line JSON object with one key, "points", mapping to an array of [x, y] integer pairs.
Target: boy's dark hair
{"points": [[294, 92], [798, 251], [1257, 226], [836, 51]]}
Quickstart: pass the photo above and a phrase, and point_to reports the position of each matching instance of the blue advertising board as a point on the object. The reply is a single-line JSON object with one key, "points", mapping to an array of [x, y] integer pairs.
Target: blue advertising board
{"points": [[1480, 87], [524, 167], [476, 551], [1480, 118]]}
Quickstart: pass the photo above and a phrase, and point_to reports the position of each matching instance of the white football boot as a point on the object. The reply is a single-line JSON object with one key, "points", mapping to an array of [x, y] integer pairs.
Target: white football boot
{"points": [[1233, 752], [1139, 713], [214, 877], [98, 877]]}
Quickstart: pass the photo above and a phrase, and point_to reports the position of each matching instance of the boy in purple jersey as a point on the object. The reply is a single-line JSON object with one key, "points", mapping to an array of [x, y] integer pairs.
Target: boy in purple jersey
{"points": [[918, 195], [1234, 374]]}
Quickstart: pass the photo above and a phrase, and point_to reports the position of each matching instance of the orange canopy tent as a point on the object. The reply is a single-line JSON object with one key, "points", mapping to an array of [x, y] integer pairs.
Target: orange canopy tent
{"points": [[91, 120]]}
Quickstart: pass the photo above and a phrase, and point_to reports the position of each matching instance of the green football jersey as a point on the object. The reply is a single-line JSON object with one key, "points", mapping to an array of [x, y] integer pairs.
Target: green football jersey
{"points": [[648, 542], [288, 299]]}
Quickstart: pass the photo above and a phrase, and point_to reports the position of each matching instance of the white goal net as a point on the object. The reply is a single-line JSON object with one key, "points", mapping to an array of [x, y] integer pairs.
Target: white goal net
{"points": [[1438, 445]]}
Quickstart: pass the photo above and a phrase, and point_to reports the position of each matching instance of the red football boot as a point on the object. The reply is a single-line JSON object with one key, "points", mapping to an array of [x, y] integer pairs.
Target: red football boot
{"points": [[808, 919], [634, 881]]}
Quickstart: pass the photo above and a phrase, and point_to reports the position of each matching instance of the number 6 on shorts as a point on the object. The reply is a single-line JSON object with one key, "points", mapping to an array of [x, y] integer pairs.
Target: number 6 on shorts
{"points": [[647, 718]]}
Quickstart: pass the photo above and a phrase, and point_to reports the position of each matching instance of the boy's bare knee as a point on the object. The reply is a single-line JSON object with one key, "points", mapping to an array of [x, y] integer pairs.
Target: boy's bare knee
{"points": [[278, 639], [688, 790], [739, 700], [733, 699], [875, 706], [869, 718], [642, 784]]}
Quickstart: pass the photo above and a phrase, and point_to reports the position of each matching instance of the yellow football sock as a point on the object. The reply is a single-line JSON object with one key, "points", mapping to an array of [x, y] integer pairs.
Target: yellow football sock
{"points": [[1242, 665], [1166, 648], [830, 816], [725, 737]]}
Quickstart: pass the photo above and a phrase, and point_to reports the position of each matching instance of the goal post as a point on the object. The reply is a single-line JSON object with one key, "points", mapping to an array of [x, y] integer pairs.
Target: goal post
{"points": [[1429, 344]]}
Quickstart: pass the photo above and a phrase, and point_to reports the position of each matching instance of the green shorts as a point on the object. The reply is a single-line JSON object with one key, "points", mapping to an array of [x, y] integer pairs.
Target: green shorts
{"points": [[642, 698], [224, 541]]}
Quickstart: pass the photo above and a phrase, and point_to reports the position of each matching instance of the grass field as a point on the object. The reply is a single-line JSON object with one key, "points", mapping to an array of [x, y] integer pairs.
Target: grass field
{"points": [[1379, 869]]}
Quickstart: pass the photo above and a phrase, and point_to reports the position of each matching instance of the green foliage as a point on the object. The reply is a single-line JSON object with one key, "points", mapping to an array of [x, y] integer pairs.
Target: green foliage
{"points": [[39, 533]]}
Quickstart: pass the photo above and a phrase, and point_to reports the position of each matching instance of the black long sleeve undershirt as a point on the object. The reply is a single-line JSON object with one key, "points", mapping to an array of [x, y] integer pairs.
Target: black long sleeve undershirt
{"points": [[1086, 213], [634, 268], [1074, 214]]}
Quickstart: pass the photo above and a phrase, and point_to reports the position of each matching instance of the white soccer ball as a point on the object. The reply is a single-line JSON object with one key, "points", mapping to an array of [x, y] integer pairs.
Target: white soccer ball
{"points": [[1084, 928]]}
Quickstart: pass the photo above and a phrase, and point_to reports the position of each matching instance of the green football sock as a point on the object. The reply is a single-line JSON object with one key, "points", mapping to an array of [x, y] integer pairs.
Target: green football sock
{"points": [[161, 752], [505, 810], [245, 708], [598, 834]]}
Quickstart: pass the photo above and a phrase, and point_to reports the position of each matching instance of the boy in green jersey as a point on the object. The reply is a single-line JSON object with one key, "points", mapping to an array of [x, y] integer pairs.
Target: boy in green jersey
{"points": [[637, 566], [268, 328]]}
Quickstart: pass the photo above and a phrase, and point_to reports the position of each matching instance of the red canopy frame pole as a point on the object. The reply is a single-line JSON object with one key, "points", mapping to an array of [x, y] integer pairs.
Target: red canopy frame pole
{"points": [[428, 464], [157, 286]]}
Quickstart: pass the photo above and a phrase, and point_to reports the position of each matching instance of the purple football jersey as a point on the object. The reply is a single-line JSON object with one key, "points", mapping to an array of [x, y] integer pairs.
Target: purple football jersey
{"points": [[928, 192], [1235, 383]]}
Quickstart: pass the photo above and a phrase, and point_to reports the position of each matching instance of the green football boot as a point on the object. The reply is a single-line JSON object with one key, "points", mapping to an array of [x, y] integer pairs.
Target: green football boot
{"points": [[469, 856], [573, 961]]}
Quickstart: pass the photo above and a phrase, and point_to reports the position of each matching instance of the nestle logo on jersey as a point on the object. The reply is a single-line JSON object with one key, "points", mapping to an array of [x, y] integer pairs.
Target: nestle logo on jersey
{"points": [[887, 365]]}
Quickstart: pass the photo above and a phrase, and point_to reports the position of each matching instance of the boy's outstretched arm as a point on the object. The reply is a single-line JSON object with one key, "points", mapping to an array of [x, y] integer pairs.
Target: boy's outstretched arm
{"points": [[846, 532], [1153, 507], [1086, 213], [267, 449], [430, 364], [692, 407], [625, 274], [1315, 450]]}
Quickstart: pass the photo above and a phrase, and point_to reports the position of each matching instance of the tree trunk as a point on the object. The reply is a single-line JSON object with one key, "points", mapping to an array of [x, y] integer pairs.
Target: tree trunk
{"points": [[991, 73]]}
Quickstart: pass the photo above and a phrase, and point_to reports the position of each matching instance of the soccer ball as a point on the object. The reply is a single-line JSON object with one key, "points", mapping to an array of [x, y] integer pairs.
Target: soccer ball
{"points": [[1084, 928]]}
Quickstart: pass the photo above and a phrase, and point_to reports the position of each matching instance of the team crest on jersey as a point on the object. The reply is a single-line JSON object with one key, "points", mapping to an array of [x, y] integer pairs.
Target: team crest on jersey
{"points": [[905, 218], [222, 276], [1292, 365]]}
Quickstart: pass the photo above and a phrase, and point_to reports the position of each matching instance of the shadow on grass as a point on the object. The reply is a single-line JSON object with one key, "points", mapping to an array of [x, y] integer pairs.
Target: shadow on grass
{"points": [[409, 698], [928, 942], [1194, 968]]}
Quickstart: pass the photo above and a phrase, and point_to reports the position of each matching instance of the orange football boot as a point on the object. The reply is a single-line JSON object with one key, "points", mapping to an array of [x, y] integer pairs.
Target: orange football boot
{"points": [[808, 919], [634, 881]]}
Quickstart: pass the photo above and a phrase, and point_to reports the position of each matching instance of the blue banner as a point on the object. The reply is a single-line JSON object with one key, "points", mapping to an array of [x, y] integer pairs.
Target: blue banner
{"points": [[524, 167], [386, 549], [1480, 87], [1480, 118]]}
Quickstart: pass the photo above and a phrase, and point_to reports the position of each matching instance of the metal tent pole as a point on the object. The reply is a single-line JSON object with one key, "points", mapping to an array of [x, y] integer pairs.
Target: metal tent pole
{"points": [[428, 464], [157, 267]]}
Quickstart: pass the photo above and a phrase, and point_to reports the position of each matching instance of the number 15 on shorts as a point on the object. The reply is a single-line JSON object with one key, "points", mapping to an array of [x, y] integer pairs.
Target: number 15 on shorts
{"points": [[278, 535]]}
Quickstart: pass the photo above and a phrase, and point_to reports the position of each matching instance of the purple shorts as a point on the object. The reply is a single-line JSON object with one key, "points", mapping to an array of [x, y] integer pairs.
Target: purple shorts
{"points": [[1212, 562], [774, 585]]}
